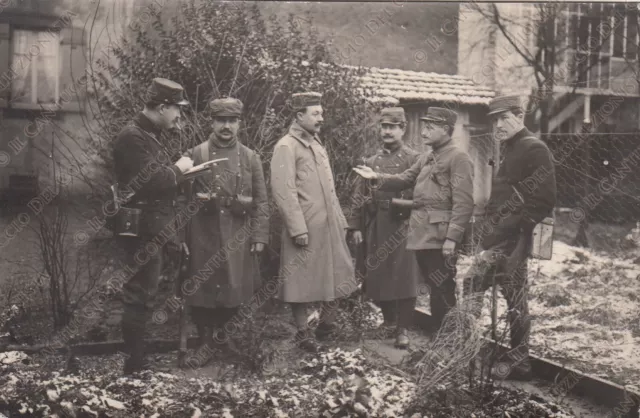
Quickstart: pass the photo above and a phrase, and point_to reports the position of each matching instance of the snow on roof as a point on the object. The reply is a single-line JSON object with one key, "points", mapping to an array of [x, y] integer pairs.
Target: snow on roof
{"points": [[421, 86]]}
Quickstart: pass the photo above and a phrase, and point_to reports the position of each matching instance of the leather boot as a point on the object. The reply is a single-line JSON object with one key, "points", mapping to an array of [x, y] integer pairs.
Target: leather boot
{"points": [[202, 329], [306, 340], [402, 339], [133, 336], [324, 331]]}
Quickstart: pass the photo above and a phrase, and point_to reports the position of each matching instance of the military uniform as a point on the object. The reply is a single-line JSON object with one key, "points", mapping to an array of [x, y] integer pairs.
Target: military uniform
{"points": [[523, 193], [442, 183], [304, 191], [224, 273], [142, 165], [392, 281]]}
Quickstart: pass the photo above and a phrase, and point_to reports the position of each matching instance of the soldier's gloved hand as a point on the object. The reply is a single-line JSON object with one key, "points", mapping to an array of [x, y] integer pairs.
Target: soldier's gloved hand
{"points": [[357, 237], [257, 247], [184, 164], [301, 240]]}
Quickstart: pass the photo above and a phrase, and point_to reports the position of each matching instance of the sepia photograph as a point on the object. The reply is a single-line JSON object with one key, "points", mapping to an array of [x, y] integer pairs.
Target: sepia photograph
{"points": [[279, 209]]}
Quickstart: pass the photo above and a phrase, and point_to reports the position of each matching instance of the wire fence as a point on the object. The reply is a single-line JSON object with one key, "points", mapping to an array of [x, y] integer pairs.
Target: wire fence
{"points": [[598, 175]]}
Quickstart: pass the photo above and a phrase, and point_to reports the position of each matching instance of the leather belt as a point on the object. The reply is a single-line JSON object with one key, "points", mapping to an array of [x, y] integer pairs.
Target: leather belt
{"points": [[225, 201], [379, 204], [153, 202], [383, 204]]}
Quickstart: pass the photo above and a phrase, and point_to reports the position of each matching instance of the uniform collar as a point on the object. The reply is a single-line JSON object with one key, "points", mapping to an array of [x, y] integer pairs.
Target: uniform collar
{"points": [[213, 140], [522, 133], [443, 148], [302, 135], [147, 125], [395, 148]]}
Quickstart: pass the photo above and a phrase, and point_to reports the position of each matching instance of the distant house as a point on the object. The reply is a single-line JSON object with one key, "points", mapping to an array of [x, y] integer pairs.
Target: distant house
{"points": [[417, 91], [596, 91], [43, 63], [488, 58]]}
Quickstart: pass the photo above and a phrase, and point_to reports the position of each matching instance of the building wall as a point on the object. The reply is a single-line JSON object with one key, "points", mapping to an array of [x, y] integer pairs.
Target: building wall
{"points": [[33, 135], [398, 34]]}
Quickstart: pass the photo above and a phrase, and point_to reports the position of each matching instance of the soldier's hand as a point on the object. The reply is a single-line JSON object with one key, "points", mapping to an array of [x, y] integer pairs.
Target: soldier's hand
{"points": [[184, 164], [302, 240], [257, 247], [357, 237], [366, 172], [449, 247]]}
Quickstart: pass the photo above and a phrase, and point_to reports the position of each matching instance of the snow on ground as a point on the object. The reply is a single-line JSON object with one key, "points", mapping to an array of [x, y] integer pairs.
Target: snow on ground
{"points": [[585, 311]]}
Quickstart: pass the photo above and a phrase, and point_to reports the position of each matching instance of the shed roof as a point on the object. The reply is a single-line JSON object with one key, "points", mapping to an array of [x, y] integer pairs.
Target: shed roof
{"points": [[420, 86]]}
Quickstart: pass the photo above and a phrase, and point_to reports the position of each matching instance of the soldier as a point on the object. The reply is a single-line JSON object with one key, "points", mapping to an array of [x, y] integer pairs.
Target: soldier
{"points": [[315, 262], [142, 166], [523, 193], [393, 281], [442, 184], [229, 229]]}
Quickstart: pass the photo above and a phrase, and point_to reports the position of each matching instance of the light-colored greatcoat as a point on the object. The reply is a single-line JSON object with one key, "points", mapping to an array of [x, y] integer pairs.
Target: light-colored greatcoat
{"points": [[223, 270], [391, 270], [304, 192]]}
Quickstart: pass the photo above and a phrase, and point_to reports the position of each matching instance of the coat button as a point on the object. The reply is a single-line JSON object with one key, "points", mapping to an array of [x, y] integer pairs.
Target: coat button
{"points": [[217, 175], [214, 153], [221, 211]]}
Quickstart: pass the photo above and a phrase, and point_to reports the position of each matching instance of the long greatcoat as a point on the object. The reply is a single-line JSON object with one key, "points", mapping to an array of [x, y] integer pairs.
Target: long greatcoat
{"points": [[223, 271], [391, 270], [304, 192]]}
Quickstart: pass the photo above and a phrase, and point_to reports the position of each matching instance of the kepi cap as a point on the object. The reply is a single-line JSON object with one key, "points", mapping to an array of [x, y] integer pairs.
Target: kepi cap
{"points": [[227, 106], [302, 100], [392, 115], [166, 91], [504, 103], [440, 115]]}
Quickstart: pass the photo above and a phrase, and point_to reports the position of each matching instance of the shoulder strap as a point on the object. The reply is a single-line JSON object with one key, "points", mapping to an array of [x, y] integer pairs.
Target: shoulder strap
{"points": [[204, 151]]}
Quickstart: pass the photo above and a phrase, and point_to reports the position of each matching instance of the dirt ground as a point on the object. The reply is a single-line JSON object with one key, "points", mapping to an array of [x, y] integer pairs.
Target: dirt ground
{"points": [[584, 303], [584, 309]]}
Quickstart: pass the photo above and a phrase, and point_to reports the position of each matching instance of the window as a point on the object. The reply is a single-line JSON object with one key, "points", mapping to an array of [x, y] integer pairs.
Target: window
{"points": [[599, 33], [35, 62]]}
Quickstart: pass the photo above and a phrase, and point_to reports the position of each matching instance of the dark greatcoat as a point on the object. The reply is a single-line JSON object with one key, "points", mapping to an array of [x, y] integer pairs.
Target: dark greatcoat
{"points": [[526, 166], [395, 276], [222, 240]]}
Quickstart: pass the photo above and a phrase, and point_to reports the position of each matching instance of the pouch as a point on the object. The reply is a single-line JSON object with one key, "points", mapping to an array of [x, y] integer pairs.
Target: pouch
{"points": [[127, 222], [241, 205], [400, 209]]}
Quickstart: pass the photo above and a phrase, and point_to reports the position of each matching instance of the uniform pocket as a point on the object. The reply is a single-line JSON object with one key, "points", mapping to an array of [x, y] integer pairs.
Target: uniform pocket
{"points": [[440, 219]]}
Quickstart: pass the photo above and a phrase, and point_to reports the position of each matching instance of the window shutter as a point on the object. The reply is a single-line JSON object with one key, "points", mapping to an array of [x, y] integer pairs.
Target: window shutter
{"points": [[5, 64], [73, 66]]}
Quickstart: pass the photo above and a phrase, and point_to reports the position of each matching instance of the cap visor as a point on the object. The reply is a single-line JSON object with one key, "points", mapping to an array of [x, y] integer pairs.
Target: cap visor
{"points": [[183, 102], [227, 115], [496, 111], [428, 119]]}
